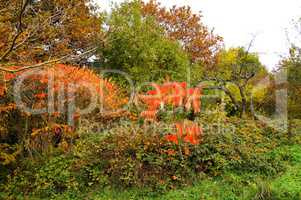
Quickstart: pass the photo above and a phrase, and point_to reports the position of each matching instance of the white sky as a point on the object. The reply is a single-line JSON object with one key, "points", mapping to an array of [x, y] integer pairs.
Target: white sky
{"points": [[238, 20]]}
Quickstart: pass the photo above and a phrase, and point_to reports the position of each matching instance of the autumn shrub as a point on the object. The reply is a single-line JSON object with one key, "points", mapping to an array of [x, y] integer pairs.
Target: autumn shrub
{"points": [[135, 155], [146, 155], [157, 153], [71, 89], [169, 97], [125, 156], [162, 156], [44, 177]]}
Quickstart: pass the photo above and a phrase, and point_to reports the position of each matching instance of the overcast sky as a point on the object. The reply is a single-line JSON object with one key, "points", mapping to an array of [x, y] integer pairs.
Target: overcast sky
{"points": [[238, 20]]}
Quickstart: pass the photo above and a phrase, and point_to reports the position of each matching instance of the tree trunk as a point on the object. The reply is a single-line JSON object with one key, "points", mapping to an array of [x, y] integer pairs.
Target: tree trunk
{"points": [[236, 105], [228, 93], [3, 81], [243, 101], [252, 109]]}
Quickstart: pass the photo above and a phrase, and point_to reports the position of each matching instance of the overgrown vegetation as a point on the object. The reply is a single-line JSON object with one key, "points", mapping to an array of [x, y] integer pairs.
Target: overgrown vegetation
{"points": [[172, 114]]}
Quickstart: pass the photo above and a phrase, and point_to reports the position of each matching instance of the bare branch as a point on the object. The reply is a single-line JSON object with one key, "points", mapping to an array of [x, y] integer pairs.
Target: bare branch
{"points": [[19, 30], [227, 92], [33, 31], [251, 43], [43, 64]]}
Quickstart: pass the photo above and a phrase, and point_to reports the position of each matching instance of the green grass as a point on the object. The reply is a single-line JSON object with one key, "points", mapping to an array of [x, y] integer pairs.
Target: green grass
{"points": [[288, 186]]}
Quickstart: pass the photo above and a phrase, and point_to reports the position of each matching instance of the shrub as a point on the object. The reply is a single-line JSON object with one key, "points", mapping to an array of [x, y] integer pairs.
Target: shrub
{"points": [[134, 155], [20, 127], [240, 145], [170, 94], [141, 155], [42, 178], [161, 154]]}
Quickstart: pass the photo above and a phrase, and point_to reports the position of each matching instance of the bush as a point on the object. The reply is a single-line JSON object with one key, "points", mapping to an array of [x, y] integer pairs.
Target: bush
{"points": [[240, 145], [143, 155], [158, 155], [25, 133], [42, 178], [137, 156]]}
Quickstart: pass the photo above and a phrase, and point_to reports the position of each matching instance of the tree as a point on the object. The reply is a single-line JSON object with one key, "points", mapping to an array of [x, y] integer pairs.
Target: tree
{"points": [[293, 66], [289, 66], [233, 74], [182, 25], [35, 31], [137, 45]]}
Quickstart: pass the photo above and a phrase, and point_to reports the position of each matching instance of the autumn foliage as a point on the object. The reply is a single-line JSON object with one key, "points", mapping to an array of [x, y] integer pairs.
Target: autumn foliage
{"points": [[188, 133], [182, 25], [73, 83], [46, 30], [174, 94], [54, 89]]}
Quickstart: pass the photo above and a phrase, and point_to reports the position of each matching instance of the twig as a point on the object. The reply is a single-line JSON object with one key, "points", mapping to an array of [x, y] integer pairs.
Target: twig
{"points": [[19, 30], [67, 57], [33, 31]]}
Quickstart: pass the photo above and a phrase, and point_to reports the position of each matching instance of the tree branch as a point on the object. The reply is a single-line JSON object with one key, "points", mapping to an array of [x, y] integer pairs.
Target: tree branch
{"points": [[227, 92], [67, 57], [33, 31], [19, 30]]}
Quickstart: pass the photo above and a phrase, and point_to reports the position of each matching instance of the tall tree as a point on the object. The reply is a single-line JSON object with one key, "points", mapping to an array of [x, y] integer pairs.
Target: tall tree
{"points": [[34, 31], [293, 66], [181, 24], [138, 46]]}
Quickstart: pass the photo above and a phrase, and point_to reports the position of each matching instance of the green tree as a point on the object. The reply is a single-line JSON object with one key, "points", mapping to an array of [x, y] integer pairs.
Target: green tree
{"points": [[138, 46], [293, 66], [233, 74]]}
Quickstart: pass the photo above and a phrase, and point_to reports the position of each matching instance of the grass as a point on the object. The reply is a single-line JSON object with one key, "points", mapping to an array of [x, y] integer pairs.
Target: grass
{"points": [[288, 186], [226, 188]]}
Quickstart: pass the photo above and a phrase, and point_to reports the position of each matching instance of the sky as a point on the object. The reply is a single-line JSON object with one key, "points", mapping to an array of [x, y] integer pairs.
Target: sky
{"points": [[270, 22]]}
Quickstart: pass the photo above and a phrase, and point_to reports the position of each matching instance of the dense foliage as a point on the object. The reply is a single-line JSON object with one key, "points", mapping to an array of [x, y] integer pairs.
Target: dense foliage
{"points": [[182, 25], [35, 31], [137, 44], [189, 130], [35, 132]]}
